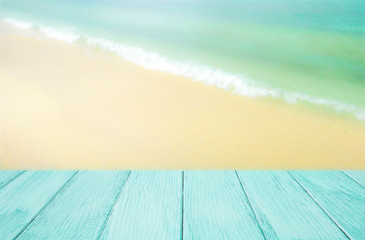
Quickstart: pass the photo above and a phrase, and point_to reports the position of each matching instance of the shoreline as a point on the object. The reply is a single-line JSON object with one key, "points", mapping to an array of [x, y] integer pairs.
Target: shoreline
{"points": [[71, 107], [235, 83]]}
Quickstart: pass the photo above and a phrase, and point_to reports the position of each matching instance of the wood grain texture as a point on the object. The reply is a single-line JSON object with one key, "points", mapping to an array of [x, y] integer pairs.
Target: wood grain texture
{"points": [[149, 207], [357, 175], [81, 209], [284, 209], [24, 197], [8, 176], [215, 207], [341, 197], [160, 205]]}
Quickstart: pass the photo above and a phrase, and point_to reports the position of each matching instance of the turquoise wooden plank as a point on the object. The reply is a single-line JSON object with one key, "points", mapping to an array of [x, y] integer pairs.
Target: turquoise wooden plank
{"points": [[284, 209], [215, 207], [149, 207], [23, 198], [79, 211], [341, 197], [357, 175], [8, 176]]}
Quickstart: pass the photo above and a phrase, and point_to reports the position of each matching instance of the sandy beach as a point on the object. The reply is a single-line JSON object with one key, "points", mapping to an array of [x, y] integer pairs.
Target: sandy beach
{"points": [[65, 106]]}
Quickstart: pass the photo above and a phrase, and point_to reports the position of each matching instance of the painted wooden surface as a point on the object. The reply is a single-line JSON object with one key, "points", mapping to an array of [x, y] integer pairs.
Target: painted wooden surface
{"points": [[358, 176], [215, 207], [182, 205], [81, 209], [149, 207], [342, 198], [24, 197], [8, 176], [284, 209]]}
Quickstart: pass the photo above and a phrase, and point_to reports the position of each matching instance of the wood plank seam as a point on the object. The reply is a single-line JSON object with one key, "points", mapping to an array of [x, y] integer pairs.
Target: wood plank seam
{"points": [[64, 186], [312, 197], [182, 206], [112, 208], [249, 203], [10, 180], [353, 179]]}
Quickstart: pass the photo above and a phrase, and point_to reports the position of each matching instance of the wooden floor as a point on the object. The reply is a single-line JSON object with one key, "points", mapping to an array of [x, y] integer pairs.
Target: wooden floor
{"points": [[182, 205]]}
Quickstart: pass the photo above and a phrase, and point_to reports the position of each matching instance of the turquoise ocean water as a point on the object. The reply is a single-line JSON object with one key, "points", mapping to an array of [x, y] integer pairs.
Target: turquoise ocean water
{"points": [[302, 51]]}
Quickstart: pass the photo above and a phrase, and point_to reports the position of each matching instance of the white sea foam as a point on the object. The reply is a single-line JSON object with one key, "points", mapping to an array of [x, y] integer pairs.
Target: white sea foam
{"points": [[19, 24], [293, 98], [154, 61], [67, 35], [238, 84]]}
